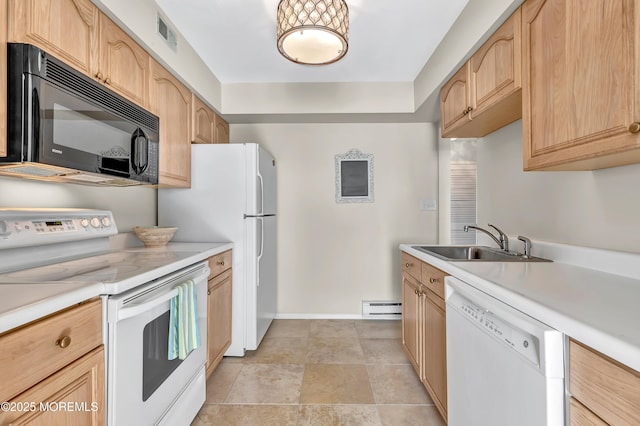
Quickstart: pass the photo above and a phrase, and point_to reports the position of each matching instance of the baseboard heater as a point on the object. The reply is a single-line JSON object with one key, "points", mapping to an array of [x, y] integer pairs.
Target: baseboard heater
{"points": [[381, 309]]}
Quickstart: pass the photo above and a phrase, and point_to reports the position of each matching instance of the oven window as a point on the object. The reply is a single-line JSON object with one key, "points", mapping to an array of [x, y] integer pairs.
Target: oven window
{"points": [[155, 364]]}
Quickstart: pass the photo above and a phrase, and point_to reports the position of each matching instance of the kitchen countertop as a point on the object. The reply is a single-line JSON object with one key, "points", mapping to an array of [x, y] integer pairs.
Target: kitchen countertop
{"points": [[21, 303], [599, 309]]}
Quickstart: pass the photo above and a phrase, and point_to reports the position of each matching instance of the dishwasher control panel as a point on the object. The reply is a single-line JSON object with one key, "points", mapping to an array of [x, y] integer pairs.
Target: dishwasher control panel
{"points": [[518, 340]]}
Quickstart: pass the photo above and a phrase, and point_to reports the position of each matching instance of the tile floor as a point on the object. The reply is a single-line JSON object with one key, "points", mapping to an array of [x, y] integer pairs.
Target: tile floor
{"points": [[320, 372]]}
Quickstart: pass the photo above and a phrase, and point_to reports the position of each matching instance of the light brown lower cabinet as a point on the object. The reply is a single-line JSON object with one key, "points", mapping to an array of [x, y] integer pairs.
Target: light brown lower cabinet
{"points": [[424, 326], [72, 396], [52, 370], [218, 309], [603, 391]]}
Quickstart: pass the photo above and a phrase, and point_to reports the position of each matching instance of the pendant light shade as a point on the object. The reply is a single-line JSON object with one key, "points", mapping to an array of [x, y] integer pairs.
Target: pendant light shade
{"points": [[313, 32]]}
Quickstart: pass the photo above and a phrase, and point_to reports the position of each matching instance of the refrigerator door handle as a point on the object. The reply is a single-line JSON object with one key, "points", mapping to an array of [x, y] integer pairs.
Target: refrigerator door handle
{"points": [[260, 194], [260, 247]]}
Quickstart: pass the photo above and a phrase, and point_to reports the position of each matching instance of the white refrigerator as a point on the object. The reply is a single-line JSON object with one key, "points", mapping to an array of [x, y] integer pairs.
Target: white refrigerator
{"points": [[233, 198]]}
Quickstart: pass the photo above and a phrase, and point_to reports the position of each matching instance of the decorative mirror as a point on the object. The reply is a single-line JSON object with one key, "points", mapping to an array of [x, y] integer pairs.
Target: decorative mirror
{"points": [[354, 177]]}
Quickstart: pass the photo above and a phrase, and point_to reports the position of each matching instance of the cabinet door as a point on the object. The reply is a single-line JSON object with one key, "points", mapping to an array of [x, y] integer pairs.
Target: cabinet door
{"points": [[79, 386], [170, 100], [455, 101], [581, 84], [219, 322], [434, 375], [3, 79], [222, 130], [68, 29], [411, 319], [495, 71], [124, 65], [203, 122]]}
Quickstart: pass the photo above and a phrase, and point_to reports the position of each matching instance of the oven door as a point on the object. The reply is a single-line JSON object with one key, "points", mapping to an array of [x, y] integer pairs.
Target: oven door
{"points": [[142, 384]]}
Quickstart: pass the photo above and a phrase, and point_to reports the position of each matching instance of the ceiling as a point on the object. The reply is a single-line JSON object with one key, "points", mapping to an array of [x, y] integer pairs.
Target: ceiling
{"points": [[389, 40]]}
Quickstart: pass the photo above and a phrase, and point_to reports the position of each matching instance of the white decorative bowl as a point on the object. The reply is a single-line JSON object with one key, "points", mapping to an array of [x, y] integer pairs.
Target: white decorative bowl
{"points": [[155, 236]]}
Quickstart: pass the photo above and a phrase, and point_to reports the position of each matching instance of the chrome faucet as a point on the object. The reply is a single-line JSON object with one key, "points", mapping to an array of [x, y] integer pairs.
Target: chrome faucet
{"points": [[503, 242]]}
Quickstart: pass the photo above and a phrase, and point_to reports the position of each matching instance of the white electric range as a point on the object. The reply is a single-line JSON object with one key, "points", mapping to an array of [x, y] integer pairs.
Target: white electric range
{"points": [[69, 250]]}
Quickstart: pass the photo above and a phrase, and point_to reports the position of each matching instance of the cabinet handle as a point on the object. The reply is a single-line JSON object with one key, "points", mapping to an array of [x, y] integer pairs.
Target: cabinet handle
{"points": [[465, 112], [432, 280], [63, 342], [220, 262], [99, 75], [107, 80], [634, 127], [209, 292], [406, 265]]}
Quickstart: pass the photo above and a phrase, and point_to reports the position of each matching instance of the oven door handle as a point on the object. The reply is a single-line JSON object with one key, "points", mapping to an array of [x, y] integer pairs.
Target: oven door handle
{"points": [[138, 308]]}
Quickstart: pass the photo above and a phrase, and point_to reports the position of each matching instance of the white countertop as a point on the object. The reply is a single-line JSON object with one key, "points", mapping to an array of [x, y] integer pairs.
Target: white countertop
{"points": [[599, 309], [21, 303]]}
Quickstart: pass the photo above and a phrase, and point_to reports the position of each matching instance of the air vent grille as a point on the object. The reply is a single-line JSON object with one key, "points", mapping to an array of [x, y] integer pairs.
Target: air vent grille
{"points": [[381, 309], [59, 74]]}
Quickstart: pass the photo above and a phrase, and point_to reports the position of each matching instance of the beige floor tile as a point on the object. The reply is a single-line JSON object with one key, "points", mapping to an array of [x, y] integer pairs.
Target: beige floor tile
{"points": [[379, 329], [221, 381], [410, 415], [397, 384], [248, 415], [334, 350], [288, 328], [339, 415], [279, 350], [383, 351], [336, 384], [267, 383], [333, 328]]}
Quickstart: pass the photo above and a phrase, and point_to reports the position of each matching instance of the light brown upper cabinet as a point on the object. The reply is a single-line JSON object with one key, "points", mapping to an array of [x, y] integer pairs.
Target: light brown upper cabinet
{"points": [[68, 29], [222, 130], [581, 84], [485, 94], [3, 79], [204, 127], [170, 100], [124, 65]]}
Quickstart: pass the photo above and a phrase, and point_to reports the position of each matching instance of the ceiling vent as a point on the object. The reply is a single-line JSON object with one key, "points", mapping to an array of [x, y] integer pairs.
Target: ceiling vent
{"points": [[167, 33]]}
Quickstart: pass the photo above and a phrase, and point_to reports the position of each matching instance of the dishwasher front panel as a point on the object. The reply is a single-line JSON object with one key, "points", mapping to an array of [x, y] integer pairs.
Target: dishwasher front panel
{"points": [[503, 367]]}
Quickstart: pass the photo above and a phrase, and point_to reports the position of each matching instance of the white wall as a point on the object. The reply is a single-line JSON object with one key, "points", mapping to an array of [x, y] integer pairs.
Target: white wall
{"points": [[332, 256], [130, 206], [594, 209]]}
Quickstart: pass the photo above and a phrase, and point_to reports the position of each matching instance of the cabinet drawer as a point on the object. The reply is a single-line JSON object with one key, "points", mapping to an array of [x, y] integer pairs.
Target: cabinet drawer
{"points": [[606, 387], [433, 278], [219, 263], [579, 415], [411, 265], [33, 352]]}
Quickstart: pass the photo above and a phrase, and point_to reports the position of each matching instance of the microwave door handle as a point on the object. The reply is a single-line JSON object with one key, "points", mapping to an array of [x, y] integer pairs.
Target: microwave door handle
{"points": [[35, 125], [139, 151]]}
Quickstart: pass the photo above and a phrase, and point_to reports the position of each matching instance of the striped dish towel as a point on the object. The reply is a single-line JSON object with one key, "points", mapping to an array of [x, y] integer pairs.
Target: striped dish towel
{"points": [[184, 334]]}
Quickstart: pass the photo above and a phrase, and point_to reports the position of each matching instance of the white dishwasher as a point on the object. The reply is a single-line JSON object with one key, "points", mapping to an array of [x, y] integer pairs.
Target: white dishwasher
{"points": [[504, 368]]}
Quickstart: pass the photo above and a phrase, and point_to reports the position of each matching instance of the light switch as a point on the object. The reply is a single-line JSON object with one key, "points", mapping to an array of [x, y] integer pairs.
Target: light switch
{"points": [[428, 204]]}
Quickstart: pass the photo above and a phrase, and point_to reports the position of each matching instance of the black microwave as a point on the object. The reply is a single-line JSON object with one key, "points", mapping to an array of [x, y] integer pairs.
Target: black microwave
{"points": [[64, 126]]}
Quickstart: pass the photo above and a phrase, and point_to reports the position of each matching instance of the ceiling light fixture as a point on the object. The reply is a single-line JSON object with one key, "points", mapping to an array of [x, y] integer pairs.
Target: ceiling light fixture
{"points": [[313, 32]]}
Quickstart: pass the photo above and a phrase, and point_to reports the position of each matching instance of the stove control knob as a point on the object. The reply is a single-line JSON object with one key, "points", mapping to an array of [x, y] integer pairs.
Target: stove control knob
{"points": [[4, 229], [84, 223], [95, 222], [106, 222]]}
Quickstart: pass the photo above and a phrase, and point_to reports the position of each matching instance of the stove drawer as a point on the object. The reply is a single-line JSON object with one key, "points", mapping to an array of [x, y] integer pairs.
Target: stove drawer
{"points": [[35, 351]]}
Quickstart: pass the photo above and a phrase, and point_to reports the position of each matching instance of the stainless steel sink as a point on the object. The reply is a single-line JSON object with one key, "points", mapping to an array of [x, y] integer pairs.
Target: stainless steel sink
{"points": [[476, 253]]}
